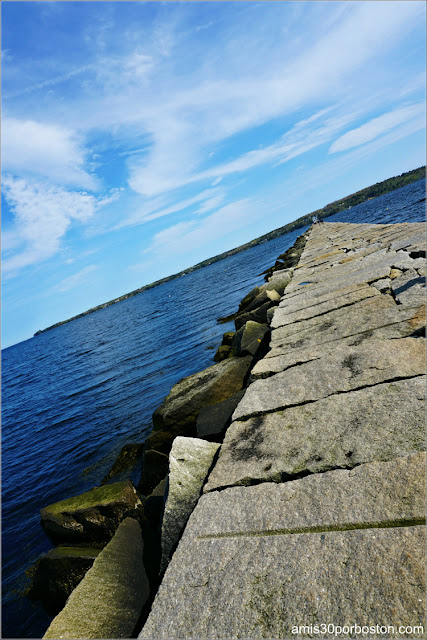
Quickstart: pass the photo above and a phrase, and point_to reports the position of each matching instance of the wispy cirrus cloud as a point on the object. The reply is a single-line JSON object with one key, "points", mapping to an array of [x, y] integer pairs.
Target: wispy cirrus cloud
{"points": [[206, 111], [209, 197], [76, 280], [186, 236], [377, 127]]}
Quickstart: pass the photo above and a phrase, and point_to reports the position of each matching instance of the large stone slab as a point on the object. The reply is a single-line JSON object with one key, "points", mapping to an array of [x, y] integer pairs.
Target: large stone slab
{"points": [[353, 269], [341, 431], [178, 413], [108, 601], [289, 313], [341, 370], [409, 289], [281, 357], [343, 546], [189, 462], [92, 516], [378, 312]]}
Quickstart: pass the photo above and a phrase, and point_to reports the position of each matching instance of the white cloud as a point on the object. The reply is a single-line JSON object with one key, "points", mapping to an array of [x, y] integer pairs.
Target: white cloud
{"points": [[185, 121], [51, 82], [376, 127], [211, 203], [51, 151], [42, 216], [77, 279], [154, 212], [185, 237]]}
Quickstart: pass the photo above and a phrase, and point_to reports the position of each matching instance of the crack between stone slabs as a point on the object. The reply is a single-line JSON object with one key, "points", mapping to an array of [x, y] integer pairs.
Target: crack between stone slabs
{"points": [[357, 287], [418, 333], [269, 374], [350, 526], [291, 477], [330, 395], [318, 315], [351, 335]]}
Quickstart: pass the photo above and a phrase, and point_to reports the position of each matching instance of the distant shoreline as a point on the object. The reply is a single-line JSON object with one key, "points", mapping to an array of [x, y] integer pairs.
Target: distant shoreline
{"points": [[337, 206]]}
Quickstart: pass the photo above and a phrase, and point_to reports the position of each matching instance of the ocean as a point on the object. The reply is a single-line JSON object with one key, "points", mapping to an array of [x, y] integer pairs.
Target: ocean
{"points": [[73, 396]]}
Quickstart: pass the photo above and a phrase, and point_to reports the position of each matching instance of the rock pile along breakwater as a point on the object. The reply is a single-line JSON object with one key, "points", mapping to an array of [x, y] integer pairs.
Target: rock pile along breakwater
{"points": [[311, 502]]}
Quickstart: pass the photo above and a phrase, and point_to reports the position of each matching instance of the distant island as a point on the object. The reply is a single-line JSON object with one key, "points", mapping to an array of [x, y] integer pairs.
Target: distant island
{"points": [[330, 209]]}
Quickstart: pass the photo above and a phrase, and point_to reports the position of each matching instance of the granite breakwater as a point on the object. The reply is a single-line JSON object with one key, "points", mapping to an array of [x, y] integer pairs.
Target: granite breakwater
{"points": [[282, 486]]}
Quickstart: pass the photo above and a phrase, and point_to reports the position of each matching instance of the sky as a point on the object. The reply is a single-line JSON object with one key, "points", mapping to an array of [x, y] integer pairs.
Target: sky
{"points": [[139, 138]]}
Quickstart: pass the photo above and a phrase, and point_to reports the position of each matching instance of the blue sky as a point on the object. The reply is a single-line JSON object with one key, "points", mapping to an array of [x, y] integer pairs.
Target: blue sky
{"points": [[139, 138]]}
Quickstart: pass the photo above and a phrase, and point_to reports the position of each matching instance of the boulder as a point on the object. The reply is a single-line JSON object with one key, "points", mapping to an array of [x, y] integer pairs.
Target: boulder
{"points": [[92, 516], [250, 339], [278, 282], [57, 573], [178, 413], [227, 338], [108, 601], [190, 462], [128, 457], [257, 315], [255, 336], [213, 420], [236, 342], [222, 353], [260, 299], [248, 298], [154, 468]]}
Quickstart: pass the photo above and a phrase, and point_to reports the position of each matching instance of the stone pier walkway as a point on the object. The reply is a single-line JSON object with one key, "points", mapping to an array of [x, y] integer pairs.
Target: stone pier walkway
{"points": [[314, 511]]}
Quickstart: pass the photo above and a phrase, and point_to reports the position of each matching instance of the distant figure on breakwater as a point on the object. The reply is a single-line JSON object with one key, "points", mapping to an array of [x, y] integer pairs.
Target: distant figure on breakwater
{"points": [[316, 220]]}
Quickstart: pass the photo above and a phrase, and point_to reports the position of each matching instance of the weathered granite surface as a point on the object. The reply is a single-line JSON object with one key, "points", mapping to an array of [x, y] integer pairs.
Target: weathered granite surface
{"points": [[92, 516], [340, 431], [378, 312], [313, 511], [109, 599], [305, 307], [189, 462], [254, 562], [341, 369]]}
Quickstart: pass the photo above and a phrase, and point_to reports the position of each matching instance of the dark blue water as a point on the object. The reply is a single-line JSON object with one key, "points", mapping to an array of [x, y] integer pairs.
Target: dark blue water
{"points": [[72, 397]]}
